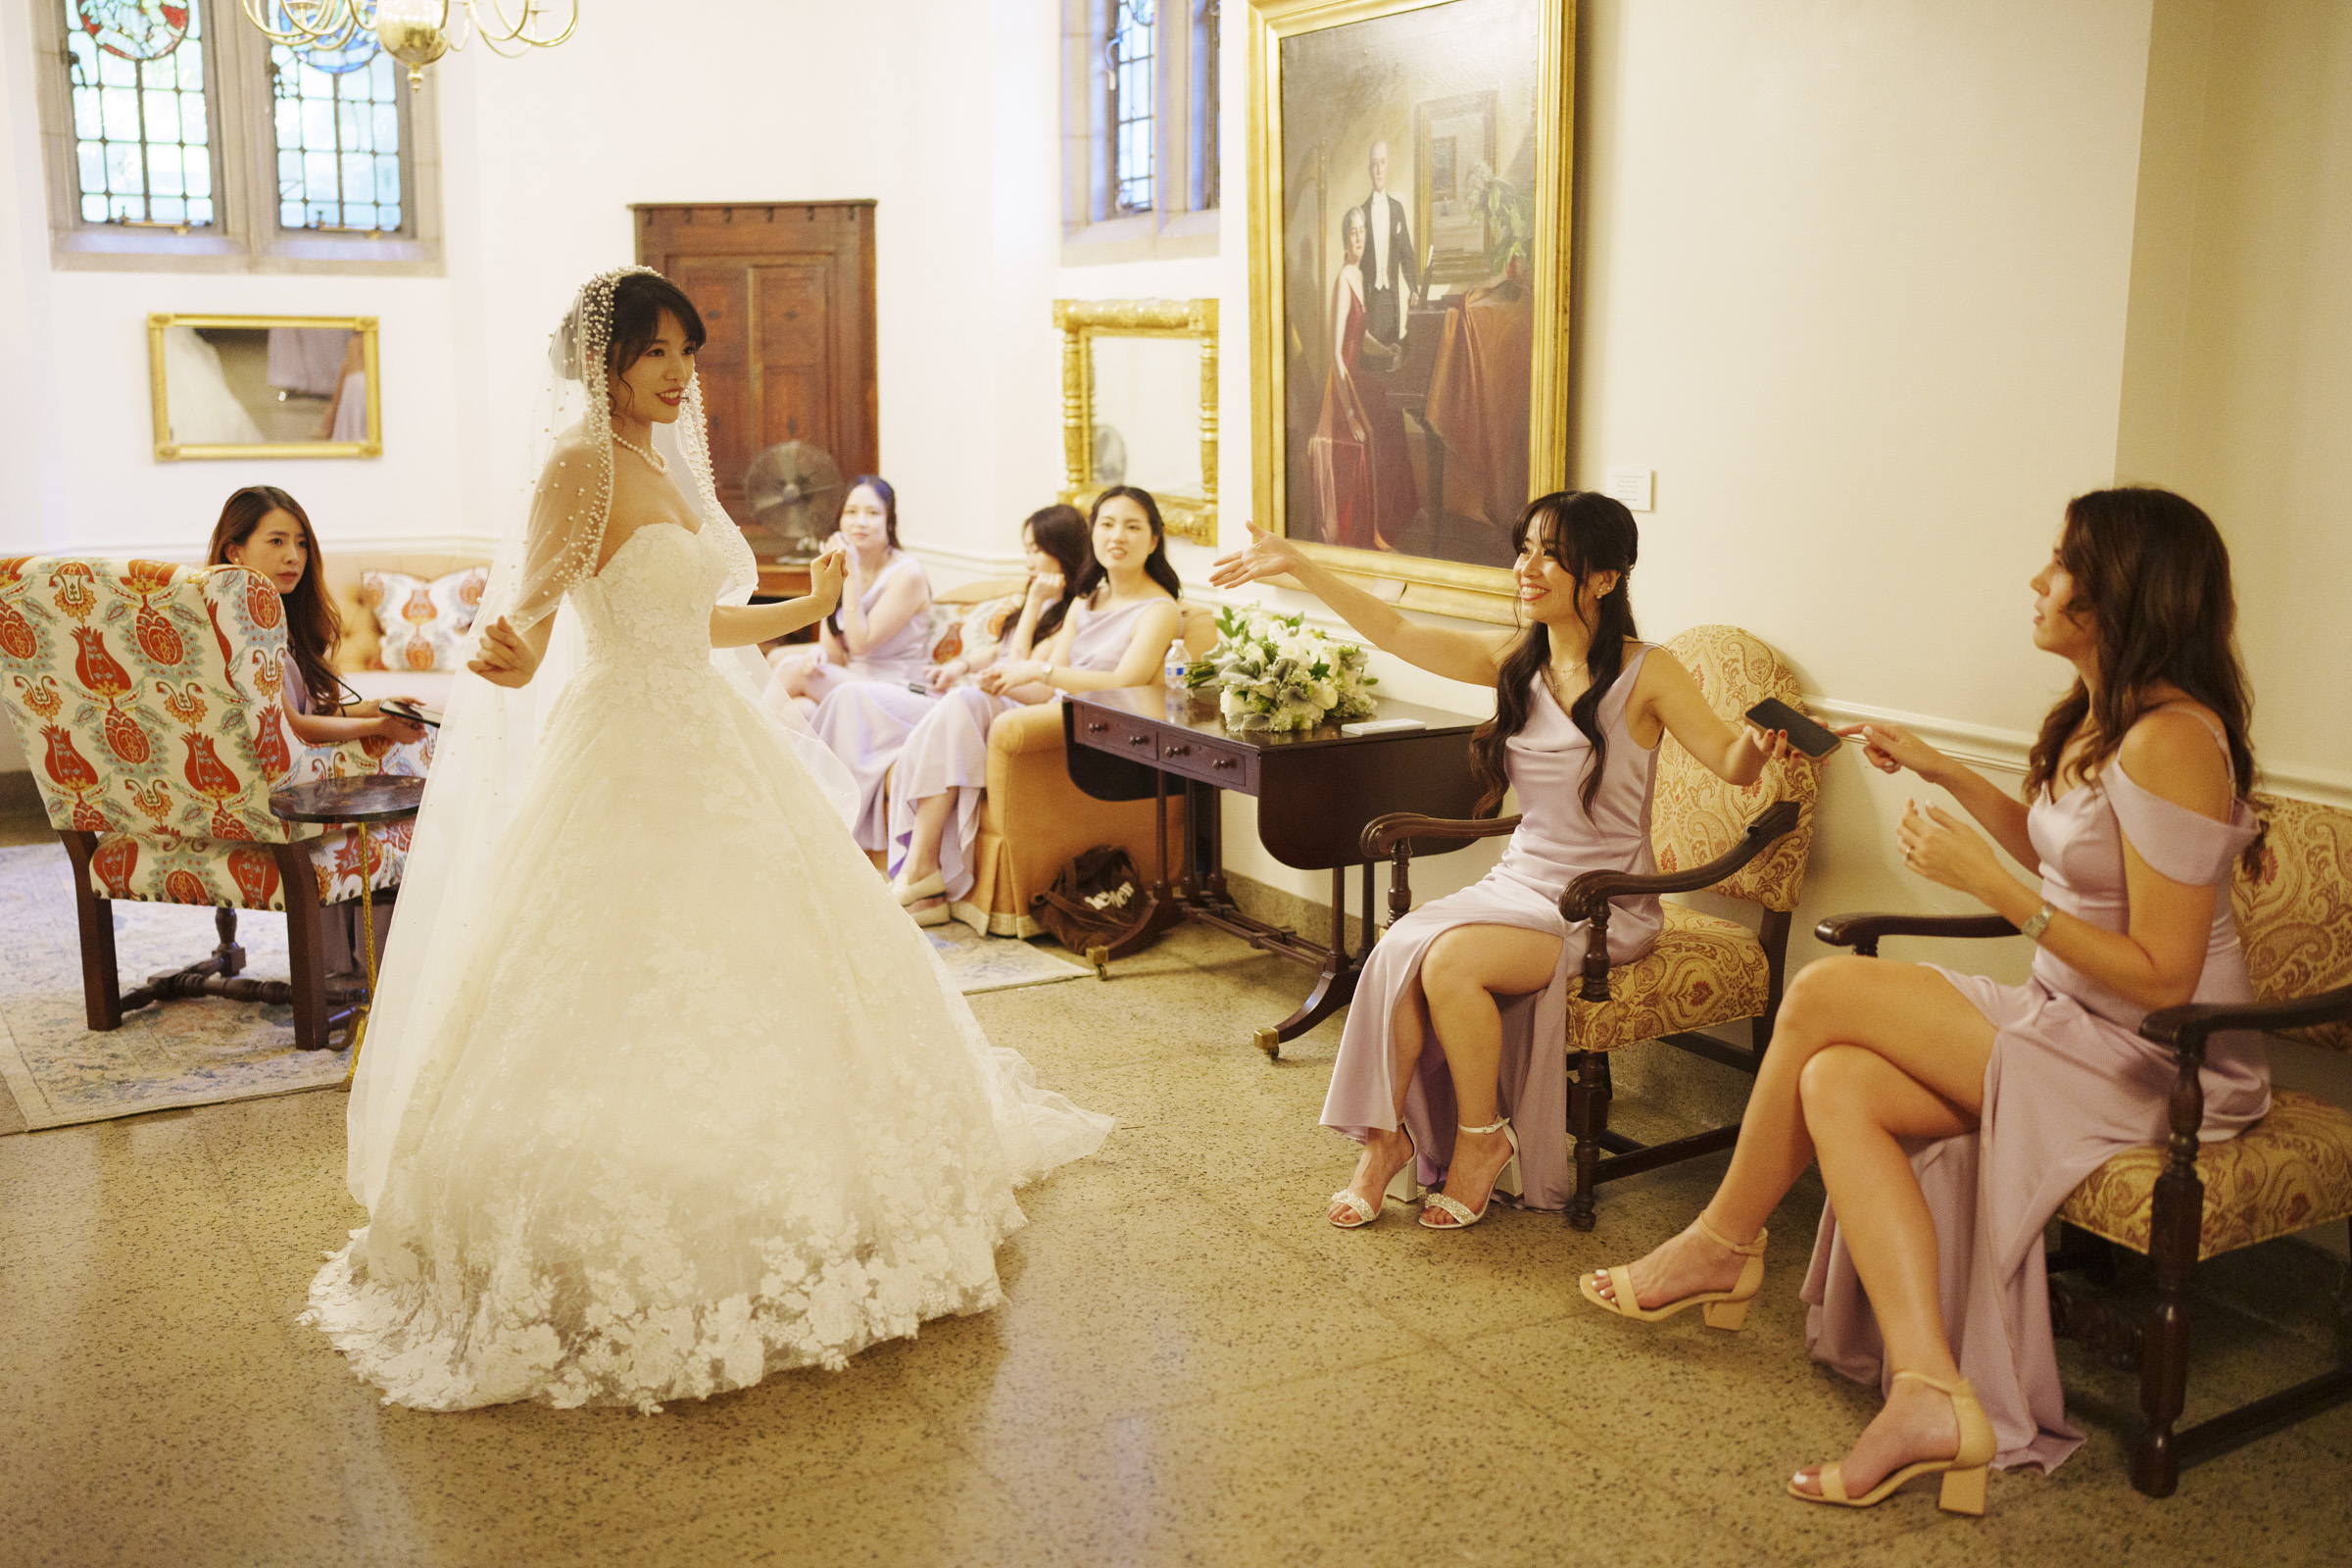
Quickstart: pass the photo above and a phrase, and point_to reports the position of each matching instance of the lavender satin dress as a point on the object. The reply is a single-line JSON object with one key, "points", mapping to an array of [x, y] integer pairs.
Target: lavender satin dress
{"points": [[867, 722], [948, 751], [1556, 842], [899, 658], [2070, 1083]]}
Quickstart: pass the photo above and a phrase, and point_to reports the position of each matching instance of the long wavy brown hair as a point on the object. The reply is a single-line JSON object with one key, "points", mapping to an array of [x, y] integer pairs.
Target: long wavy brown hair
{"points": [[1589, 533], [2152, 573], [313, 628]]}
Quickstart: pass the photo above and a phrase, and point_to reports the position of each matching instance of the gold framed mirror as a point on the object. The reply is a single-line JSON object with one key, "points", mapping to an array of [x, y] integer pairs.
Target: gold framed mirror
{"points": [[264, 386], [1139, 405]]}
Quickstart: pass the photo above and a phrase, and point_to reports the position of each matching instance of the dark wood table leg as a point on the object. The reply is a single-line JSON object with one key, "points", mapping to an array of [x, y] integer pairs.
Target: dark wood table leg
{"points": [[1335, 982]]}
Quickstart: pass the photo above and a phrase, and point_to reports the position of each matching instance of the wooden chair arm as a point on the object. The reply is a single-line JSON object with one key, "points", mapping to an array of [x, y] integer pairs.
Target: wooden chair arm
{"points": [[1863, 932], [2185, 1028], [1384, 836], [1391, 838], [1588, 897]]}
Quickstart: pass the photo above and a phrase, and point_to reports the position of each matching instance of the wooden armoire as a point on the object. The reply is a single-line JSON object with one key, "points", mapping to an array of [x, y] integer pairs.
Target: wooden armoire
{"points": [[787, 292]]}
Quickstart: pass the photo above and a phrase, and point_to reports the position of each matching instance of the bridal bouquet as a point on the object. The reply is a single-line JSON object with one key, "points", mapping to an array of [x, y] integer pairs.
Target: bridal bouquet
{"points": [[1275, 672]]}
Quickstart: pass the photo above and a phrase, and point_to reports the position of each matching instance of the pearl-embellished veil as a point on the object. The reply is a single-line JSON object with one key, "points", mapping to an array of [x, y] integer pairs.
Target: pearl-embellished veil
{"points": [[483, 752]]}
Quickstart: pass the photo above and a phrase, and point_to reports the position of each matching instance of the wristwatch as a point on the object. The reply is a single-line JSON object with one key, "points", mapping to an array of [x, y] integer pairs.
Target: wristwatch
{"points": [[2038, 923]]}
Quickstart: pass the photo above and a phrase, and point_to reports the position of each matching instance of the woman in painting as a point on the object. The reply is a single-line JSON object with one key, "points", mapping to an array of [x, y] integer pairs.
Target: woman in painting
{"points": [[1340, 452]]}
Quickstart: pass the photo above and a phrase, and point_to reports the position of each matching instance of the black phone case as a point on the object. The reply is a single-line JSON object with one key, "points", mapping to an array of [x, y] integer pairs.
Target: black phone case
{"points": [[1804, 734]]}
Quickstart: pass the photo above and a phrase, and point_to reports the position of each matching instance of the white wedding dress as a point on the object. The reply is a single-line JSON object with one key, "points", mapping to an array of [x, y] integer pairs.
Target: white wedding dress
{"points": [[703, 1104]]}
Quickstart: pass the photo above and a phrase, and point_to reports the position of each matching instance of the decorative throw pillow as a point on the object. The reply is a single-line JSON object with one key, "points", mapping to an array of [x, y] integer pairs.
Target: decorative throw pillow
{"points": [[422, 625]]}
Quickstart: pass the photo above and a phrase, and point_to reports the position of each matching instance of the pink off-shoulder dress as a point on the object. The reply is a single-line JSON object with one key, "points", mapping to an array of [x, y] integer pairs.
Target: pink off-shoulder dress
{"points": [[2068, 1084]]}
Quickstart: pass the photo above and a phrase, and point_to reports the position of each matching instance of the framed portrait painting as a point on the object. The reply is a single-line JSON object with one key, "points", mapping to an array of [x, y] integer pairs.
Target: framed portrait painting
{"points": [[1409, 225]]}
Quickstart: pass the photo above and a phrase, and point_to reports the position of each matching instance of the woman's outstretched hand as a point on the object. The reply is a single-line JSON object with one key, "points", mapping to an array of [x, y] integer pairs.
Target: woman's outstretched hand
{"points": [[1264, 555], [504, 658], [1946, 850], [1890, 750]]}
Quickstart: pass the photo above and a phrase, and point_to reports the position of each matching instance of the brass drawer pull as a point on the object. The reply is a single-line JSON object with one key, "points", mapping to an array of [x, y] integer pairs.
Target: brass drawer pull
{"points": [[1222, 761], [1177, 751], [1139, 740], [1095, 728]]}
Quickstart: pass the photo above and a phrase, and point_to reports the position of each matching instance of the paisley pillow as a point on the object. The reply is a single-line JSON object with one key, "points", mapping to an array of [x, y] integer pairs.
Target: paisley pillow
{"points": [[422, 625]]}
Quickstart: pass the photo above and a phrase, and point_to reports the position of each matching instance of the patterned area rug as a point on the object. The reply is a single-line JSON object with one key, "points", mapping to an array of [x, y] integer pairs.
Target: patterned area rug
{"points": [[206, 1049]]}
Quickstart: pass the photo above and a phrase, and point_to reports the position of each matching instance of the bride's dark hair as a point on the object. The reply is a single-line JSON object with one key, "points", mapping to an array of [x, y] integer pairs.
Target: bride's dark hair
{"points": [[638, 301], [1589, 533]]}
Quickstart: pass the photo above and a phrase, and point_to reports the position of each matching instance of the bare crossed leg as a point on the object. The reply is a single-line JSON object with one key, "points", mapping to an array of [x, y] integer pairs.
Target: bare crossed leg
{"points": [[1865, 1054]]}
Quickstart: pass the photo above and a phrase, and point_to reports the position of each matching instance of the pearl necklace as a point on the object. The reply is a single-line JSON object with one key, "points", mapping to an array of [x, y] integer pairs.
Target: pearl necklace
{"points": [[652, 460]]}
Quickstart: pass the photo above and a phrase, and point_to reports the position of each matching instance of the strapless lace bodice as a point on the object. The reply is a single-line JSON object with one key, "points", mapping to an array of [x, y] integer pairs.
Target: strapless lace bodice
{"points": [[650, 605]]}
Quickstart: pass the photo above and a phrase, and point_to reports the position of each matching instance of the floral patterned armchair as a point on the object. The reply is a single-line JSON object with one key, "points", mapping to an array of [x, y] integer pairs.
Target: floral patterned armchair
{"points": [[1748, 842], [147, 696], [2182, 1201]]}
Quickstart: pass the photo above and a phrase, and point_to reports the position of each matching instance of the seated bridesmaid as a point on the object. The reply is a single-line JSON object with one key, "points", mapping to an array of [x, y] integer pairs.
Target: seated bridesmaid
{"points": [[1454, 1035], [1952, 1115], [1121, 622], [882, 630], [266, 530], [867, 722]]}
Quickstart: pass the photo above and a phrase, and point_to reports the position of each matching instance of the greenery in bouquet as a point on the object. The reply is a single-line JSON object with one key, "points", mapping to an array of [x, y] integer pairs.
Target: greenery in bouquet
{"points": [[1276, 672]]}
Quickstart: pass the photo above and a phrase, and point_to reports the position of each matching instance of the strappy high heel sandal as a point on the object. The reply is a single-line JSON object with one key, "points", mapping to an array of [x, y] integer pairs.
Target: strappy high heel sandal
{"points": [[1723, 1309], [1508, 1181], [1963, 1472], [1404, 1186]]}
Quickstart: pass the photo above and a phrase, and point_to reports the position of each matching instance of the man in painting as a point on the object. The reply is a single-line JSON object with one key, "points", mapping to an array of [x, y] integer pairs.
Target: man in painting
{"points": [[1391, 280]]}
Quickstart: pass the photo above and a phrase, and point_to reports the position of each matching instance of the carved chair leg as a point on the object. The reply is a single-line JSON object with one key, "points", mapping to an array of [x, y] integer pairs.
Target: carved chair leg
{"points": [[231, 957], [101, 985], [1587, 1120], [2180, 1205]]}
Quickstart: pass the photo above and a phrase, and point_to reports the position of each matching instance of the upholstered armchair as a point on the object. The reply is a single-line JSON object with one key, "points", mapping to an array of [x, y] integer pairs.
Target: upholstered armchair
{"points": [[2182, 1201], [1035, 819], [147, 696], [1748, 844]]}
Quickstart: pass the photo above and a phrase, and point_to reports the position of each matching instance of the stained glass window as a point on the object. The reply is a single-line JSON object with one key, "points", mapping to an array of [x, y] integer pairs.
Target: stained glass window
{"points": [[1128, 56], [338, 139], [142, 130]]}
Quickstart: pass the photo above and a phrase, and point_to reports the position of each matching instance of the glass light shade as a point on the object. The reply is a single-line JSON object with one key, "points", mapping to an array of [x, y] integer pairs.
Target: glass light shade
{"points": [[412, 32]]}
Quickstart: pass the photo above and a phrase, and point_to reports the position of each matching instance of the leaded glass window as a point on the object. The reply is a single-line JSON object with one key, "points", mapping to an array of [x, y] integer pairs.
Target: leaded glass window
{"points": [[1129, 56], [337, 121], [142, 130]]}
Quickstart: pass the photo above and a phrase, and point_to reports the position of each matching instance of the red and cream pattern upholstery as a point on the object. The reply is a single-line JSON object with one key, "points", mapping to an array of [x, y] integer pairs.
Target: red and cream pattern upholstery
{"points": [[422, 625], [147, 696]]}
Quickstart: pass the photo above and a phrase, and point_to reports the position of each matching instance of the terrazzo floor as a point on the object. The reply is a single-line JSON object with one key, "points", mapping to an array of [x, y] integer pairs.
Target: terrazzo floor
{"points": [[1190, 1367]]}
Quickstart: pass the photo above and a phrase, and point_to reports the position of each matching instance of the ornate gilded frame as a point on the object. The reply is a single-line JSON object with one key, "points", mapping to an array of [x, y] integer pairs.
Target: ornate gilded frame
{"points": [[166, 450], [1419, 582], [1080, 322]]}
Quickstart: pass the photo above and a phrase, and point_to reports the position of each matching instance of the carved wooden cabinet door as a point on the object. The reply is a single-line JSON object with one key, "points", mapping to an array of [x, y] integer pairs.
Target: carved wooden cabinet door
{"points": [[787, 292]]}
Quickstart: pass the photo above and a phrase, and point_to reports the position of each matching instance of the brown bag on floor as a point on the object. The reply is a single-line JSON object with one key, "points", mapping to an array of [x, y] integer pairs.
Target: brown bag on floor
{"points": [[1097, 900]]}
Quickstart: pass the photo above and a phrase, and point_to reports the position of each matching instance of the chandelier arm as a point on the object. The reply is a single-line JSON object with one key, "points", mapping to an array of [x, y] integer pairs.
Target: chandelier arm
{"points": [[516, 31], [310, 23]]}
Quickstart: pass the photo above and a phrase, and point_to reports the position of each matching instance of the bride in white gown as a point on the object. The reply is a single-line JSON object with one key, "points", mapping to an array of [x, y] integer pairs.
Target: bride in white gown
{"points": [[665, 1092]]}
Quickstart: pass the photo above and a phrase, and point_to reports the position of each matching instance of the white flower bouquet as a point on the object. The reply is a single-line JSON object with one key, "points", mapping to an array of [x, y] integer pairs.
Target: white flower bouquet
{"points": [[1276, 672]]}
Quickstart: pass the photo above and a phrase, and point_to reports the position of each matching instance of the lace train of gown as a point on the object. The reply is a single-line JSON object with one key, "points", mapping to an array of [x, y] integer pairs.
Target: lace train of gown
{"points": [[707, 1106]]}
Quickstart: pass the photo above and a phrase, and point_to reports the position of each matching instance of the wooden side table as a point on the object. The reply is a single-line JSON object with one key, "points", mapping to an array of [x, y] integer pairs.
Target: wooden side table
{"points": [[1315, 791], [358, 802]]}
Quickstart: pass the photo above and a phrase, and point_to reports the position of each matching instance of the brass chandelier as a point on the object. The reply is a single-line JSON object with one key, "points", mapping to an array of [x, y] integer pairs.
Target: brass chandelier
{"points": [[415, 32]]}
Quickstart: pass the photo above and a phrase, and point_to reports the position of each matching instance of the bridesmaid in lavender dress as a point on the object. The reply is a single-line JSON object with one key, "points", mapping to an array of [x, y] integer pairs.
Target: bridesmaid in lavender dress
{"points": [[882, 630], [1951, 1116], [866, 722], [1451, 1047], [1117, 634]]}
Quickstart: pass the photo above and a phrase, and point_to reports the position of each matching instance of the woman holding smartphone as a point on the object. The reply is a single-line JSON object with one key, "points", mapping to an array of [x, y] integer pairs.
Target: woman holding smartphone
{"points": [[1951, 1116]]}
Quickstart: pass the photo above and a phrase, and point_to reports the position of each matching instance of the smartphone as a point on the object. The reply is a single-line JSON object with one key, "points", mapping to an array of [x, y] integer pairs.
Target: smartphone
{"points": [[1805, 735], [417, 715]]}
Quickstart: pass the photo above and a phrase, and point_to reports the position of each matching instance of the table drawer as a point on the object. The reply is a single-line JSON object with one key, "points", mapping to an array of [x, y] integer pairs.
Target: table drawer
{"points": [[1192, 755]]}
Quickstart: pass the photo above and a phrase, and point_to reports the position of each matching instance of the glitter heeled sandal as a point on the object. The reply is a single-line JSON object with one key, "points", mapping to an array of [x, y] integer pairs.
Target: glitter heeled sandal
{"points": [[1505, 1181], [1404, 1186]]}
